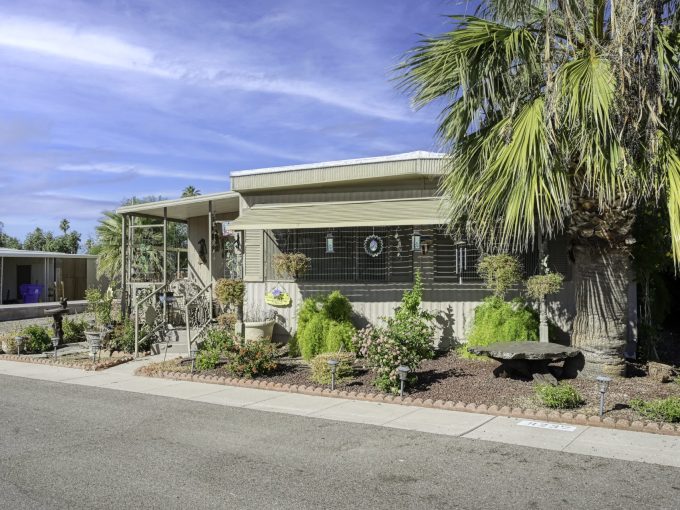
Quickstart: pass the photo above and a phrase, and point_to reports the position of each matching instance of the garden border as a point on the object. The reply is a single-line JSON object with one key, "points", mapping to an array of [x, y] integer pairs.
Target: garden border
{"points": [[100, 365], [516, 412]]}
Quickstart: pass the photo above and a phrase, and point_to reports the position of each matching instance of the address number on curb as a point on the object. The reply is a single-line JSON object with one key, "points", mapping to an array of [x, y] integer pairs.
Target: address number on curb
{"points": [[543, 425]]}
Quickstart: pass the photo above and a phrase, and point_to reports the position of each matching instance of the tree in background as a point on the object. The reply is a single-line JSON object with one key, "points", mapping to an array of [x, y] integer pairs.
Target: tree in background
{"points": [[561, 115], [190, 191], [40, 240], [7, 241]]}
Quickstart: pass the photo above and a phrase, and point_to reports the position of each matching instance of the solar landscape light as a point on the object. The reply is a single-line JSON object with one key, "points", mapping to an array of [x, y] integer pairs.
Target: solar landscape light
{"points": [[403, 371], [603, 381], [19, 340], [193, 354], [55, 342], [333, 365], [95, 347]]}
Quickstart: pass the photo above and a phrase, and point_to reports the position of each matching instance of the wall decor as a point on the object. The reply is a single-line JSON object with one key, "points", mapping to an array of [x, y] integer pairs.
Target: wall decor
{"points": [[373, 245], [277, 297]]}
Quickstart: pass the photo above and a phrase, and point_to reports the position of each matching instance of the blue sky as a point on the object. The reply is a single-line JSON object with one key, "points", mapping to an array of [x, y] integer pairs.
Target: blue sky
{"points": [[102, 100]]}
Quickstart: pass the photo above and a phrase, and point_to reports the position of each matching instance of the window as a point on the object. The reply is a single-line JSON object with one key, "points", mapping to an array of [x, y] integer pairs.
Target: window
{"points": [[346, 258]]}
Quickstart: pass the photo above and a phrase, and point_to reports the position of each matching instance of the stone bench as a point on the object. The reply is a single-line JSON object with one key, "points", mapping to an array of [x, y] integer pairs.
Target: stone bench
{"points": [[532, 359]]}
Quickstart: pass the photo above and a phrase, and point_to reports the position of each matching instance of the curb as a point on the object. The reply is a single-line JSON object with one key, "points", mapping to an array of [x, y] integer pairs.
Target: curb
{"points": [[569, 417], [101, 365]]}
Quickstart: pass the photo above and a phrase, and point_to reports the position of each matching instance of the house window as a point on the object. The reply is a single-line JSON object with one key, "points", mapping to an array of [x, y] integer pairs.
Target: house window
{"points": [[358, 254]]}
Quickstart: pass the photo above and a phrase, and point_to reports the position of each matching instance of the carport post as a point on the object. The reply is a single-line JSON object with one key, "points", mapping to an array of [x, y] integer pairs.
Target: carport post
{"points": [[165, 261], [123, 262], [2, 277], [210, 256]]}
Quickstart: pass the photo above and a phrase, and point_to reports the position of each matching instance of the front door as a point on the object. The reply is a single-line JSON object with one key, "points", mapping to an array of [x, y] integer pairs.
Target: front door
{"points": [[23, 276]]}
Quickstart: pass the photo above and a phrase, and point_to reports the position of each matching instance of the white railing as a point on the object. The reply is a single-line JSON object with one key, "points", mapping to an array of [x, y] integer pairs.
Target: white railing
{"points": [[206, 320], [154, 330]]}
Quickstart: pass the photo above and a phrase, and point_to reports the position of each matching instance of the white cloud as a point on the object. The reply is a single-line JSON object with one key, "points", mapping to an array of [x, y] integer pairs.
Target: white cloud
{"points": [[121, 168], [108, 50]]}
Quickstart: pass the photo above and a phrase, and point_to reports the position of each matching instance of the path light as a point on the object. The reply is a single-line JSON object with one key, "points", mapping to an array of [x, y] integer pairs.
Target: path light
{"points": [[604, 385], [95, 346], [333, 364], [19, 340], [403, 371], [193, 354], [55, 342]]}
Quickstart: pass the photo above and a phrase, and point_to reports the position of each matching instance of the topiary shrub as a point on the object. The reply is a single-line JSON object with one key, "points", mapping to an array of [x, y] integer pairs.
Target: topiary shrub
{"points": [[498, 321], [500, 272], [665, 409], [227, 321], [562, 396], [37, 338], [541, 285], [229, 292], [321, 371], [323, 326]]}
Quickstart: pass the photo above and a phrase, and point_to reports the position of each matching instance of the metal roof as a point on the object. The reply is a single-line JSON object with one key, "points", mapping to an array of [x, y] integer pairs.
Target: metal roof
{"points": [[34, 254], [343, 162], [189, 207]]}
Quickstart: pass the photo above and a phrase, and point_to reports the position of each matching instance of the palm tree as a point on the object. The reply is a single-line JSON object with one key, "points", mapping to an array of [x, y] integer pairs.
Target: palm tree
{"points": [[108, 246], [190, 191], [561, 115]]}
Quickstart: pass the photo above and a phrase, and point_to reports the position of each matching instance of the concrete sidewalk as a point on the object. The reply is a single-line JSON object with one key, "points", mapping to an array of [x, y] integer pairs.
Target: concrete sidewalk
{"points": [[599, 442]]}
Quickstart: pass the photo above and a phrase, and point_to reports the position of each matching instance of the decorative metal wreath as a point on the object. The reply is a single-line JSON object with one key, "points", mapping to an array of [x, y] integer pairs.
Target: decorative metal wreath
{"points": [[373, 245]]}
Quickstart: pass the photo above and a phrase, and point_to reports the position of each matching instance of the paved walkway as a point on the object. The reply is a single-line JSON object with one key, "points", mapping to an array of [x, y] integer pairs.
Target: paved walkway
{"points": [[595, 441]]}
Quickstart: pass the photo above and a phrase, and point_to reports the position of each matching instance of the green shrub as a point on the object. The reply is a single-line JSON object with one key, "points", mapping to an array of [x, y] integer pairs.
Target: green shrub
{"points": [[498, 321], [665, 409], [218, 339], [541, 285], [229, 292], [101, 304], [249, 359], [562, 396], [321, 371], [207, 359], [227, 321], [324, 326], [122, 338], [38, 338], [7, 343], [405, 340], [74, 330], [500, 272]]}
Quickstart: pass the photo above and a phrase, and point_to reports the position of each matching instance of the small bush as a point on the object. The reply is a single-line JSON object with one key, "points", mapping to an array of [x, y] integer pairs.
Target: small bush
{"points": [[562, 396], [665, 409], [219, 339], [498, 321], [7, 343], [207, 359], [122, 338], [227, 321], [405, 340], [249, 359], [324, 326], [101, 304], [38, 339], [74, 330], [321, 372], [229, 292]]}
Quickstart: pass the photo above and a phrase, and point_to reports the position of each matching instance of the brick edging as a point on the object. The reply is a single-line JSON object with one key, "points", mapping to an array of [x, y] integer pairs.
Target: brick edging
{"points": [[516, 412], [101, 365]]}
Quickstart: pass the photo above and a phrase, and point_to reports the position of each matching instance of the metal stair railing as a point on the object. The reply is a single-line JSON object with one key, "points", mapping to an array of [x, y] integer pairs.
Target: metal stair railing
{"points": [[202, 327], [154, 330]]}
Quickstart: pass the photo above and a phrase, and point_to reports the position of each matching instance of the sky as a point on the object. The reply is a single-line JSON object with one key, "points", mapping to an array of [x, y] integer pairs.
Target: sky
{"points": [[101, 100]]}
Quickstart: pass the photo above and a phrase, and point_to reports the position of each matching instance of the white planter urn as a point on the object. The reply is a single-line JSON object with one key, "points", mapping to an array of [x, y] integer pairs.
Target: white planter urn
{"points": [[258, 330]]}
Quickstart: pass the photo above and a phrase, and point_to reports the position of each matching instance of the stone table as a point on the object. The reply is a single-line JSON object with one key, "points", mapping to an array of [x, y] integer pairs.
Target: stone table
{"points": [[532, 359]]}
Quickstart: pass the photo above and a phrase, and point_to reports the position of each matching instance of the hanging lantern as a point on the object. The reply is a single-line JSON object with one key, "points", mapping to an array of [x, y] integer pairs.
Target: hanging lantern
{"points": [[415, 241], [330, 247]]}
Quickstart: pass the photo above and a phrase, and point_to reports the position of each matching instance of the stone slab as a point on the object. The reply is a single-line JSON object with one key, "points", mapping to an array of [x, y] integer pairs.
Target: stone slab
{"points": [[526, 350], [628, 445], [356, 411], [508, 430], [437, 421]]}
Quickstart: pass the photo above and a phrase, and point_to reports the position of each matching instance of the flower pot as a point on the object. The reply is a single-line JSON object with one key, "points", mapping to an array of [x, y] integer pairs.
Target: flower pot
{"points": [[94, 335], [258, 330]]}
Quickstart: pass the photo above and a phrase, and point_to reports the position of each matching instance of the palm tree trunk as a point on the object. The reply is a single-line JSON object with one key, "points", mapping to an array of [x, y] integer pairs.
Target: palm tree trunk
{"points": [[601, 278]]}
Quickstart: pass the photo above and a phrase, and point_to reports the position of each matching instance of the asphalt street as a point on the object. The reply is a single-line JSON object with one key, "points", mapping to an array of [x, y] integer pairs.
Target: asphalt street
{"points": [[72, 447]]}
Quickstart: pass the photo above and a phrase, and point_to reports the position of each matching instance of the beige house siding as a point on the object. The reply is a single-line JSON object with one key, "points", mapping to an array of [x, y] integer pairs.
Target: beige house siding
{"points": [[197, 269]]}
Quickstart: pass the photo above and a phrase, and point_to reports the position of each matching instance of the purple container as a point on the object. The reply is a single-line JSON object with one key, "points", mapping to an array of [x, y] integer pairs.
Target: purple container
{"points": [[30, 293]]}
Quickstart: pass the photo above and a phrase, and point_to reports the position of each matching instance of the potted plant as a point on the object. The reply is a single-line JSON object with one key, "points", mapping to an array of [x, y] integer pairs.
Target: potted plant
{"points": [[259, 324], [291, 265]]}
